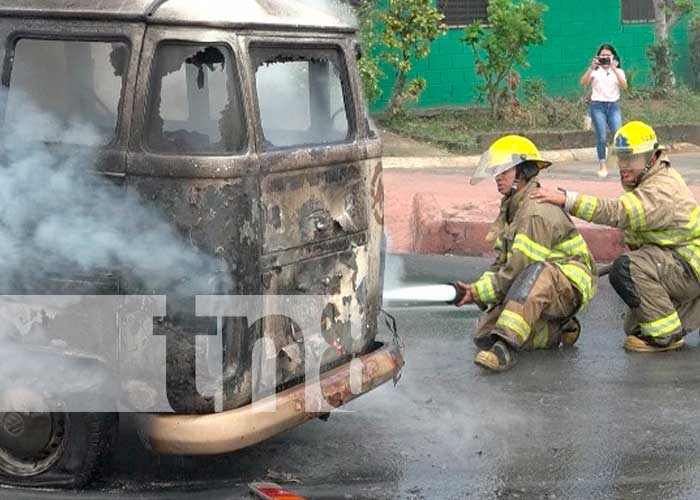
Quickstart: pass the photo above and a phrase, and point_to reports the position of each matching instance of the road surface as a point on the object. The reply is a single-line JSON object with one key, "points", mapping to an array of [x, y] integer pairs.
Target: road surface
{"points": [[592, 422]]}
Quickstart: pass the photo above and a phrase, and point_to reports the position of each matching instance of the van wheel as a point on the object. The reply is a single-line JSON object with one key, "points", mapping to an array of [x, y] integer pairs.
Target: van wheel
{"points": [[56, 449]]}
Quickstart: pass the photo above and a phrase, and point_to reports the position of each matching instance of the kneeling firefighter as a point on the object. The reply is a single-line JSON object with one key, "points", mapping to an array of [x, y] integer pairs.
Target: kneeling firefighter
{"points": [[658, 278], [544, 273]]}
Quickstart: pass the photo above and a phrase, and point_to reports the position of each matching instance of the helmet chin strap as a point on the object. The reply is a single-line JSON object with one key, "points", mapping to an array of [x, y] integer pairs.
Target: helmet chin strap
{"points": [[517, 180], [650, 163]]}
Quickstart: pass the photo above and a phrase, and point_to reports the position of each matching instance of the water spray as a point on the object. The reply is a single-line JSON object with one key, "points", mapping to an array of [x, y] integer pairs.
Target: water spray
{"points": [[427, 294]]}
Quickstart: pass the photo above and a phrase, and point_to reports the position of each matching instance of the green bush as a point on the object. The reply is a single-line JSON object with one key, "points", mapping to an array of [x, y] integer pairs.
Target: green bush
{"points": [[694, 51], [660, 53], [661, 56], [534, 90], [408, 29], [370, 44], [540, 111], [504, 45]]}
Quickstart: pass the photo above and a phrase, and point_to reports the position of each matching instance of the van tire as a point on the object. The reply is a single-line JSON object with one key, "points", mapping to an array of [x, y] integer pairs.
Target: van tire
{"points": [[77, 447]]}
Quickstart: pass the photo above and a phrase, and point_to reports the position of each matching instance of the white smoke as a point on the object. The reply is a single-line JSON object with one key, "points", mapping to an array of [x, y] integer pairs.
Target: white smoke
{"points": [[57, 216], [394, 272], [338, 8]]}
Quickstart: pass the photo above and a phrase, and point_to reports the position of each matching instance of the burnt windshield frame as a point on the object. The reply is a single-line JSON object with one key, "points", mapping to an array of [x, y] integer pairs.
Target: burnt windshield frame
{"points": [[11, 44], [237, 93], [262, 52]]}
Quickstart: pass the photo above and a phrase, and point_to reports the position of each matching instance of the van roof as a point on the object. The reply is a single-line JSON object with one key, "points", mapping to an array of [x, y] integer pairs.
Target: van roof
{"points": [[315, 14]]}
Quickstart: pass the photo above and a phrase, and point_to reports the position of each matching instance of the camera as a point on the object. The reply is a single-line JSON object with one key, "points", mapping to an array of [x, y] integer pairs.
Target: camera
{"points": [[605, 61]]}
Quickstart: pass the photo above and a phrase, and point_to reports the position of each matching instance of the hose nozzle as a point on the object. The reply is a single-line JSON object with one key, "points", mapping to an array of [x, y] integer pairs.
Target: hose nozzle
{"points": [[459, 294]]}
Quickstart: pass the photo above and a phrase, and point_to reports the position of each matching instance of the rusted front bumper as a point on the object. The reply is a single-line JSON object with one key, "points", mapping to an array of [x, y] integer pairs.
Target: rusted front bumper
{"points": [[236, 429]]}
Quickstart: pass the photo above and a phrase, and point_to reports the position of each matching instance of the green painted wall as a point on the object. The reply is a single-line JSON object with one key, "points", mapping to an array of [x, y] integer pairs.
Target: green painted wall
{"points": [[574, 30]]}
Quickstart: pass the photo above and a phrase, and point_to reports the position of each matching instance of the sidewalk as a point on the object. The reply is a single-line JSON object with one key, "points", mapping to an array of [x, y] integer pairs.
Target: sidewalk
{"points": [[405, 153], [431, 208]]}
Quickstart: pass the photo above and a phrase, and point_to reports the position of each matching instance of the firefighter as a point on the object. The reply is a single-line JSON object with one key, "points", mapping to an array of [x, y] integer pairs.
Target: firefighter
{"points": [[658, 277], [543, 274]]}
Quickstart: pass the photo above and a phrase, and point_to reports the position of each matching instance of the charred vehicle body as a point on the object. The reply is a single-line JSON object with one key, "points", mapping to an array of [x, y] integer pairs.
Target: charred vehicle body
{"points": [[241, 124]]}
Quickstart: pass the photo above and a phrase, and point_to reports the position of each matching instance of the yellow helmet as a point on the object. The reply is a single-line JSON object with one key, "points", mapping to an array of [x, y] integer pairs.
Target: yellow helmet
{"points": [[506, 153], [635, 138]]}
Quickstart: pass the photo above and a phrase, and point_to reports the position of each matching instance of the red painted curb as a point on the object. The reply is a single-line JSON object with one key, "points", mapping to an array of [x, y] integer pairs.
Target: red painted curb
{"points": [[464, 233], [426, 229]]}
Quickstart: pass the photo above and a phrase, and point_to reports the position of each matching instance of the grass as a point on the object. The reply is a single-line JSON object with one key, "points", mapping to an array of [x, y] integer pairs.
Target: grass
{"points": [[684, 108], [458, 129]]}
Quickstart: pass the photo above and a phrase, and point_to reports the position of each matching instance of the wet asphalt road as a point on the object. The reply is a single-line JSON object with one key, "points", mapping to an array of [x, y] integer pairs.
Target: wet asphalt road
{"points": [[590, 422]]}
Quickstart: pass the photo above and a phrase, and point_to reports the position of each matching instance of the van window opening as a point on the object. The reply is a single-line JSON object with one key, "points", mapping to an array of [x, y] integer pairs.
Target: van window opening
{"points": [[68, 85], [302, 99], [195, 101]]}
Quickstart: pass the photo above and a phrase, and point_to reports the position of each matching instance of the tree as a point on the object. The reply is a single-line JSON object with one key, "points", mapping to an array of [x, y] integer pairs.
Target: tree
{"points": [[694, 51], [503, 45], [409, 27], [667, 13], [370, 41]]}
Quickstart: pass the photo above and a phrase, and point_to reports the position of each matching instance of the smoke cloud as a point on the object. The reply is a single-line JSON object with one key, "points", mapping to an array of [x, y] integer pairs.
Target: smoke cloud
{"points": [[394, 272], [339, 8], [58, 217]]}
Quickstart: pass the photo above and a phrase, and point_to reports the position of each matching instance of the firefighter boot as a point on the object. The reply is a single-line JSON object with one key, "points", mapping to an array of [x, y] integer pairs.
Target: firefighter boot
{"points": [[637, 344], [570, 332], [498, 358]]}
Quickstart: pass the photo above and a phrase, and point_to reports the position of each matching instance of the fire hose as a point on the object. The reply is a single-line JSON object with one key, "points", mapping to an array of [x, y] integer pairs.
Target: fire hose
{"points": [[442, 294]]}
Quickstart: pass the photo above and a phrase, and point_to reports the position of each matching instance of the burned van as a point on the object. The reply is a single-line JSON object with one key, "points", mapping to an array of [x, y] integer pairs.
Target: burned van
{"points": [[207, 172]]}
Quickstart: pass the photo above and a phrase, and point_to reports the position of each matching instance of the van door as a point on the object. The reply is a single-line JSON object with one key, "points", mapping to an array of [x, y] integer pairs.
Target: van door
{"points": [[192, 161], [319, 234]]}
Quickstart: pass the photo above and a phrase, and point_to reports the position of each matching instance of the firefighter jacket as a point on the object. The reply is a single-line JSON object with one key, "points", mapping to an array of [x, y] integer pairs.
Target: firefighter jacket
{"points": [[660, 211], [527, 232]]}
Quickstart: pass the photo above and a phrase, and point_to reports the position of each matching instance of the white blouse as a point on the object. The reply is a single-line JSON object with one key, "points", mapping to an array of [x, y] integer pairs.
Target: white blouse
{"points": [[605, 86]]}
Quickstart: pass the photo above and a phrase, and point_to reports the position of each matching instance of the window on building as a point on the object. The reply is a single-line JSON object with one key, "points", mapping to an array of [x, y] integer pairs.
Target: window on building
{"points": [[637, 11], [195, 103], [462, 12]]}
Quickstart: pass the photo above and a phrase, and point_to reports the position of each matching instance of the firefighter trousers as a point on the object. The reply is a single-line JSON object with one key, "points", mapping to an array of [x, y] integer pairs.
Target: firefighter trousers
{"points": [[662, 292], [540, 301]]}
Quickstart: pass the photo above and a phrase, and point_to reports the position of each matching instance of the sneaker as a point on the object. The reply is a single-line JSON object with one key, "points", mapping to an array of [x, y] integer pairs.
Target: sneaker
{"points": [[603, 169], [497, 359], [635, 344]]}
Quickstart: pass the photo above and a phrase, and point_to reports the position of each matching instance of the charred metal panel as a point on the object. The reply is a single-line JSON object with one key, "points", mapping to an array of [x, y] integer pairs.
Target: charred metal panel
{"points": [[94, 283], [313, 205], [319, 156], [283, 13], [219, 218], [245, 12], [115, 9], [287, 257], [375, 244], [344, 266], [342, 278]]}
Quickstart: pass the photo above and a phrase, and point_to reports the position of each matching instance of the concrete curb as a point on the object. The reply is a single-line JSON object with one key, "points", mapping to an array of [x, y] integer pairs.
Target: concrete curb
{"points": [[562, 155], [436, 232]]}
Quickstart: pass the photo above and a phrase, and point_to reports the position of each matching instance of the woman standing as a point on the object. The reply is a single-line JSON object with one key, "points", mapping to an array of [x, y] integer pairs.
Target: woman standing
{"points": [[606, 78]]}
